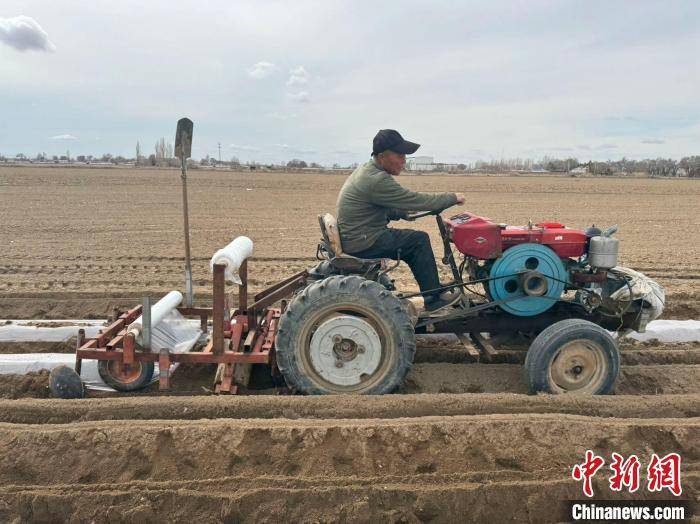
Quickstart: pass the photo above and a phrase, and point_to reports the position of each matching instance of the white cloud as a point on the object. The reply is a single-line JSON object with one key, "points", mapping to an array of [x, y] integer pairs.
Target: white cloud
{"points": [[301, 96], [294, 149], [25, 34], [298, 76], [514, 73], [281, 116], [261, 70], [653, 141], [63, 137], [240, 147]]}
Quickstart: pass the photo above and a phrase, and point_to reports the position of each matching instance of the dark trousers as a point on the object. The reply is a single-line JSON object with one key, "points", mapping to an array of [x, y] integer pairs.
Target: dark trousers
{"points": [[416, 251]]}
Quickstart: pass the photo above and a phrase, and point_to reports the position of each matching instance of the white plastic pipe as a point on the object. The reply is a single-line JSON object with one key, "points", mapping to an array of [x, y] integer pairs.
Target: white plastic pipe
{"points": [[232, 256], [158, 311]]}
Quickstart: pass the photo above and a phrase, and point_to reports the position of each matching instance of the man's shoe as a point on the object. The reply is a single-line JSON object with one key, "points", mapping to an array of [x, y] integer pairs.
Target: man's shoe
{"points": [[445, 299]]}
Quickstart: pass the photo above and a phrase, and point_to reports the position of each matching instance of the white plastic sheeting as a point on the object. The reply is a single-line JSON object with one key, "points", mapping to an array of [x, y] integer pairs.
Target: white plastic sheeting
{"points": [[232, 256], [670, 331], [173, 332], [640, 287], [28, 362], [176, 327], [158, 312], [71, 321], [21, 332]]}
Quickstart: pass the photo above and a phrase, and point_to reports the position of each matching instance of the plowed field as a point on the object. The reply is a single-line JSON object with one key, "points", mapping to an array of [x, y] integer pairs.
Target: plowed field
{"points": [[460, 442]]}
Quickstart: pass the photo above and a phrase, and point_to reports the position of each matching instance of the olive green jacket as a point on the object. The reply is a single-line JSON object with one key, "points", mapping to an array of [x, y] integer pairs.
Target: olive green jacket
{"points": [[370, 198]]}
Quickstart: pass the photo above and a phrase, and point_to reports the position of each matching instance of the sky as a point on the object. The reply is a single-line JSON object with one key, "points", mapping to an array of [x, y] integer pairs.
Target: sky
{"points": [[271, 81]]}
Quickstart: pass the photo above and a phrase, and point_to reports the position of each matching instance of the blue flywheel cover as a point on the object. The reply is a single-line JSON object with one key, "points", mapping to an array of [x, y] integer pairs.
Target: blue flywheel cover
{"points": [[526, 257]]}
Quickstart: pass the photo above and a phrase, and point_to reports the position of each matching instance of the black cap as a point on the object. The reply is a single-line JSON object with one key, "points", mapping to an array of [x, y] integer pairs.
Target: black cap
{"points": [[392, 140]]}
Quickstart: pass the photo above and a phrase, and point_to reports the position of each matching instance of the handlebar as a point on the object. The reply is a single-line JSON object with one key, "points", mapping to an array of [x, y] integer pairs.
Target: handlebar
{"points": [[416, 216]]}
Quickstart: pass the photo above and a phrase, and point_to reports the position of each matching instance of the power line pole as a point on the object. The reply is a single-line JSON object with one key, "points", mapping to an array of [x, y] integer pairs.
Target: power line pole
{"points": [[219, 152]]}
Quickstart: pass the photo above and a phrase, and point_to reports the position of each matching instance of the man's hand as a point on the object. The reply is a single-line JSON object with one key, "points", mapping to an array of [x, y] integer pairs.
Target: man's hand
{"points": [[460, 198]]}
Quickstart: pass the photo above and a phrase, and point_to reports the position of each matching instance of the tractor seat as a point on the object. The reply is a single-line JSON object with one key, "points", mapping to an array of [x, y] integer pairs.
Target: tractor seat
{"points": [[333, 247]]}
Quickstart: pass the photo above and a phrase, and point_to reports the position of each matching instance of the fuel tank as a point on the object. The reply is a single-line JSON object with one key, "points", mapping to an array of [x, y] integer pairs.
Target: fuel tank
{"points": [[481, 238]]}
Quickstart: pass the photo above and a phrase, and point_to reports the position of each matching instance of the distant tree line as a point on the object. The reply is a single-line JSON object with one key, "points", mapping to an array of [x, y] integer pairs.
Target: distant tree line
{"points": [[688, 166], [162, 156]]}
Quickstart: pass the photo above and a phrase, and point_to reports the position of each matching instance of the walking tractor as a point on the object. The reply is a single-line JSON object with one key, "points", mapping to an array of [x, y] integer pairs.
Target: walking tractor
{"points": [[343, 327]]}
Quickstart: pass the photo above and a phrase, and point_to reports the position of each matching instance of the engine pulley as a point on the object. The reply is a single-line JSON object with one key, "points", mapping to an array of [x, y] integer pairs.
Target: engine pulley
{"points": [[531, 271]]}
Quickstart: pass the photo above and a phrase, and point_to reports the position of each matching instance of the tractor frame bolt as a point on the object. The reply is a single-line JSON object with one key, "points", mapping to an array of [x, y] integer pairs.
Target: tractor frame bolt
{"points": [[337, 339], [338, 364], [360, 349]]}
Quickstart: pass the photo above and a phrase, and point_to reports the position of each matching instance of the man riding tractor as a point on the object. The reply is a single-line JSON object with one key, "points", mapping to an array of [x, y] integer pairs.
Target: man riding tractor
{"points": [[370, 198]]}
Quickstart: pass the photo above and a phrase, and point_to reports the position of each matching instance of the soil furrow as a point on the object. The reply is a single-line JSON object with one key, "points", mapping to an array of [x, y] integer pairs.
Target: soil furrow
{"points": [[247, 502], [435, 377], [386, 407], [121, 451], [496, 378]]}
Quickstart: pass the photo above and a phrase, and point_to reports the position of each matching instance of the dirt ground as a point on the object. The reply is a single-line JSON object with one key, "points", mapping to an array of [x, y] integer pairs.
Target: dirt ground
{"points": [[459, 442]]}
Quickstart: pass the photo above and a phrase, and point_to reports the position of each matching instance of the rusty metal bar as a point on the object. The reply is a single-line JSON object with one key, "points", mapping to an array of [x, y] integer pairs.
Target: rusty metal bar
{"points": [[226, 385], [164, 369], [146, 319], [129, 349], [194, 357], [484, 346], [271, 333], [236, 335], [92, 343], [264, 329], [278, 293], [249, 339], [195, 311], [123, 320], [278, 285], [469, 346], [219, 290], [78, 344], [116, 340], [243, 288]]}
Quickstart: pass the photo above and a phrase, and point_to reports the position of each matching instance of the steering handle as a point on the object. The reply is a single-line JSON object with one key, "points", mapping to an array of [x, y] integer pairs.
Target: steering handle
{"points": [[416, 216]]}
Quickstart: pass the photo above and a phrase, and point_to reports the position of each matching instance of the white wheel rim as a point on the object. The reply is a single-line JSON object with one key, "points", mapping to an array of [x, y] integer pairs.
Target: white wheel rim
{"points": [[345, 350], [579, 367]]}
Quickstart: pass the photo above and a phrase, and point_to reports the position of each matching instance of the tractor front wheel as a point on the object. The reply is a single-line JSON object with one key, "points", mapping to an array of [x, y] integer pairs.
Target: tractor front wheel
{"points": [[345, 334], [575, 357]]}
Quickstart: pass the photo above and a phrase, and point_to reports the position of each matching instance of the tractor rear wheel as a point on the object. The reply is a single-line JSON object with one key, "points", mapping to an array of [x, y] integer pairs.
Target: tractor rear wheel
{"points": [[573, 356], [137, 376], [345, 334]]}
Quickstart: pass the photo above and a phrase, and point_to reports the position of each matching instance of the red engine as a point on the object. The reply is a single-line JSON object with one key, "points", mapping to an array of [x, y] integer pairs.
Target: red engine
{"points": [[480, 238]]}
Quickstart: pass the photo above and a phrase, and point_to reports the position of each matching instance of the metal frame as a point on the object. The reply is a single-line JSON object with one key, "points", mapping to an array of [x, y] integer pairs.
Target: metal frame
{"points": [[250, 331]]}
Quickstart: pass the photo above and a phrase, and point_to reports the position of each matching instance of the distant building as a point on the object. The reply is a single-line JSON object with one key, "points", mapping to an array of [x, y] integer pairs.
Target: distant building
{"points": [[420, 163]]}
